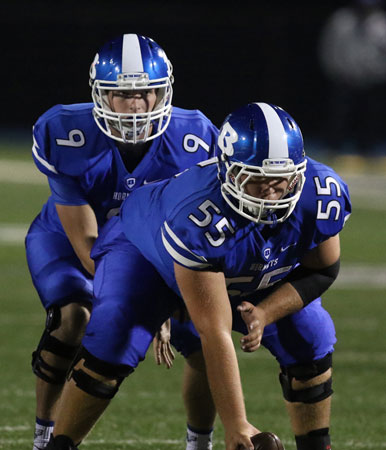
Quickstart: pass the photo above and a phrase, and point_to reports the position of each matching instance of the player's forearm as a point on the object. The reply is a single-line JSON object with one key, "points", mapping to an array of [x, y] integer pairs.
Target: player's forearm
{"points": [[82, 245], [83, 253], [224, 378], [283, 301], [80, 225]]}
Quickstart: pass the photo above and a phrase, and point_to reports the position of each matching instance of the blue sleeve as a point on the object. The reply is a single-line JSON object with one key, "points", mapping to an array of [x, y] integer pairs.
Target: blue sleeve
{"points": [[64, 141], [214, 149], [180, 252], [333, 206], [67, 192], [197, 247], [41, 150], [47, 157]]}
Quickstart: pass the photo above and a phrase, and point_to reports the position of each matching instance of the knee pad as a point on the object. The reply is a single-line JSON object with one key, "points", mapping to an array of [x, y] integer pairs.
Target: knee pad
{"points": [[53, 345], [92, 386], [304, 372]]}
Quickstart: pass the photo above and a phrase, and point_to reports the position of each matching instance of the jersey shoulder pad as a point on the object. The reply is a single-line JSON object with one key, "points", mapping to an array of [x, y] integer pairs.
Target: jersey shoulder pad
{"points": [[193, 130], [325, 199], [189, 114], [192, 119], [196, 232], [66, 139]]}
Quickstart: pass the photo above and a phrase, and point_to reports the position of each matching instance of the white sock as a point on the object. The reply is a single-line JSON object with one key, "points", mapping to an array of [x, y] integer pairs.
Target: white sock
{"points": [[198, 440], [43, 431]]}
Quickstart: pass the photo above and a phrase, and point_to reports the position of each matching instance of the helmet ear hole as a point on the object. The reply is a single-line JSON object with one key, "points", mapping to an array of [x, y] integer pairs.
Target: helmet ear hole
{"points": [[290, 123]]}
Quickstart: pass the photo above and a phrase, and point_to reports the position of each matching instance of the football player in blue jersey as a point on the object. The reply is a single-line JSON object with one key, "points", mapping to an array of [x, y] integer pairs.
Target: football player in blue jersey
{"points": [[249, 241], [94, 155]]}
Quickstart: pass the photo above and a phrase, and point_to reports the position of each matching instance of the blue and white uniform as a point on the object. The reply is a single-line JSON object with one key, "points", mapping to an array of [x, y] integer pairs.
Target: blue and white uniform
{"points": [[84, 166], [186, 220]]}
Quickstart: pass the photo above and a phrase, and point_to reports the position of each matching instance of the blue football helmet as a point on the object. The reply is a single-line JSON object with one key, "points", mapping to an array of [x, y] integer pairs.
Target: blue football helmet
{"points": [[261, 140], [131, 63]]}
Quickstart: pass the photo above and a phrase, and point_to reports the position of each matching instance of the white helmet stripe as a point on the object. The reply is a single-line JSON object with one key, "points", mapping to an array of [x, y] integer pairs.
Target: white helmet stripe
{"points": [[131, 54], [278, 146]]}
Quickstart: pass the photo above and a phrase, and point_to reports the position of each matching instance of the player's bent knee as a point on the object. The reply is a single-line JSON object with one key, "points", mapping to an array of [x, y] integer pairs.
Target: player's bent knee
{"points": [[51, 344], [113, 375], [75, 317], [196, 361], [305, 373]]}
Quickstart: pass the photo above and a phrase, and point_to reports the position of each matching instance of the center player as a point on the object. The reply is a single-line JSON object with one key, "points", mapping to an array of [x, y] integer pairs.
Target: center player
{"points": [[249, 241]]}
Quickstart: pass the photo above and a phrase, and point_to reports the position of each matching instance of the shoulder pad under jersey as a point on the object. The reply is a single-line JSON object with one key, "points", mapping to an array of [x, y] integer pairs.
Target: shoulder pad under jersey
{"points": [[66, 140], [325, 200]]}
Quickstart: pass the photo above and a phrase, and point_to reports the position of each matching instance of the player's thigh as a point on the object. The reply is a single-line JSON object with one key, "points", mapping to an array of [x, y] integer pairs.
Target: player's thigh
{"points": [[131, 301], [184, 337], [305, 336], [56, 271]]}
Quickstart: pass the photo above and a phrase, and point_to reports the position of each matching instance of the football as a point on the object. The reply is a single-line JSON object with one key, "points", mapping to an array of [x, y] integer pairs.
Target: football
{"points": [[266, 441]]}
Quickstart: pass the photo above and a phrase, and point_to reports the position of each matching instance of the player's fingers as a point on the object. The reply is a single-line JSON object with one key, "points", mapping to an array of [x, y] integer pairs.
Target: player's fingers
{"points": [[157, 353], [252, 347], [168, 362], [251, 341], [246, 444], [170, 352], [166, 357], [245, 307], [159, 356], [254, 332]]}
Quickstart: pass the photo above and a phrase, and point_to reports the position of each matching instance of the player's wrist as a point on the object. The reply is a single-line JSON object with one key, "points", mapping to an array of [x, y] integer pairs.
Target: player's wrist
{"points": [[261, 314], [236, 424]]}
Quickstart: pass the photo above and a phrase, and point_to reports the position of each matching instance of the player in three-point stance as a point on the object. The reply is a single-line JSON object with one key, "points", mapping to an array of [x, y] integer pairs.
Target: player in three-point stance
{"points": [[248, 241], [95, 155]]}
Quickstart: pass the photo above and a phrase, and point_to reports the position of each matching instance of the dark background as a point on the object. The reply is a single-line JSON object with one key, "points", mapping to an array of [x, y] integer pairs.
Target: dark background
{"points": [[224, 55]]}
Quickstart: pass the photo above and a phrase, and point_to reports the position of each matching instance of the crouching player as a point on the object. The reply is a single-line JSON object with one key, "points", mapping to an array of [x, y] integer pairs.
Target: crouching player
{"points": [[249, 242], [94, 155]]}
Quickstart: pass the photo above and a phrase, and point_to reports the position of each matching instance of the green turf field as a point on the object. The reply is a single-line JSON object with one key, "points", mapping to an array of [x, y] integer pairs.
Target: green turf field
{"points": [[148, 413]]}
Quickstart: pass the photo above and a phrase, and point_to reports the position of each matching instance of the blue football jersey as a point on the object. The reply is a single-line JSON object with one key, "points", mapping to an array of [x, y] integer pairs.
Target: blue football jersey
{"points": [[186, 220], [84, 166]]}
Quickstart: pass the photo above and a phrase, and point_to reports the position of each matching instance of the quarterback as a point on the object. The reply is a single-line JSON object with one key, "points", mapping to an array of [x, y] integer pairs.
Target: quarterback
{"points": [[95, 155]]}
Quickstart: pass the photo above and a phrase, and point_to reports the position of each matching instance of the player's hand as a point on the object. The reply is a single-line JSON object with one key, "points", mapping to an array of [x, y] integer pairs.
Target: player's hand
{"points": [[239, 437], [254, 319], [163, 352]]}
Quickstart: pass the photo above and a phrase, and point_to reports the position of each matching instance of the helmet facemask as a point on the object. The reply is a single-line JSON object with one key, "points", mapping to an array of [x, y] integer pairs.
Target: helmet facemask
{"points": [[259, 210], [133, 127]]}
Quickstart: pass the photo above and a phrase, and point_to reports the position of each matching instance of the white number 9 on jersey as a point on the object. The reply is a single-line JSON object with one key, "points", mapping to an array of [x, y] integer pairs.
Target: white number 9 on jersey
{"points": [[75, 139]]}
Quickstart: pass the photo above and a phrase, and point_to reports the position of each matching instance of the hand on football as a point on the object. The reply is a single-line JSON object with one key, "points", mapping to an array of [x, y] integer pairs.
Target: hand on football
{"points": [[239, 437], [255, 321], [163, 352]]}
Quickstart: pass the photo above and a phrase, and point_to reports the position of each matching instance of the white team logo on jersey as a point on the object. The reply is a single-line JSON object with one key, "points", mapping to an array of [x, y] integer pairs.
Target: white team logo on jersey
{"points": [[130, 182], [227, 138], [267, 253]]}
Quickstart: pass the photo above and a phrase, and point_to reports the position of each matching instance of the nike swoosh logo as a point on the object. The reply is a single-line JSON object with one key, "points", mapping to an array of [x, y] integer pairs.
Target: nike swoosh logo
{"points": [[153, 181], [283, 249]]}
